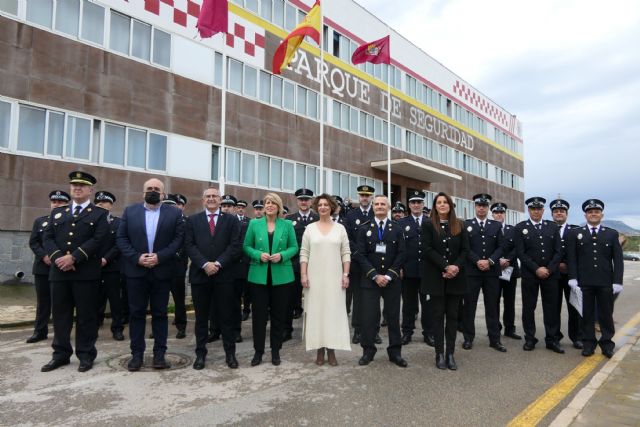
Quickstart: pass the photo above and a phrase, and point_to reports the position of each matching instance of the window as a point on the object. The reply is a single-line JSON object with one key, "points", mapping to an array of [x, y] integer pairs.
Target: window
{"points": [[310, 181], [233, 165], [250, 81], [92, 22], [248, 169], [5, 120], [114, 143], [265, 87], [124, 28], [251, 5], [141, 40], [136, 148], [289, 95], [312, 104], [276, 173], [68, 16], [353, 113], [300, 175], [234, 75], [287, 176], [217, 69], [161, 48], [278, 12], [276, 91], [215, 163], [344, 116], [301, 100], [55, 133], [31, 129], [40, 12], [157, 152], [120, 27], [9, 6], [291, 17], [263, 171], [78, 140], [266, 10]]}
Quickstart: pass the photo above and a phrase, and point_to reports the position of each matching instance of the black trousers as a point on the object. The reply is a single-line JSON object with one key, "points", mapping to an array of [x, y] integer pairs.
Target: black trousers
{"points": [[294, 303], [214, 326], [445, 308], [370, 317], [238, 288], [355, 277], [271, 302], [491, 293], [83, 296], [549, 290], [411, 296], [111, 290], [178, 294], [246, 297], [603, 297], [43, 304], [125, 300], [222, 296], [145, 291], [508, 292], [574, 322]]}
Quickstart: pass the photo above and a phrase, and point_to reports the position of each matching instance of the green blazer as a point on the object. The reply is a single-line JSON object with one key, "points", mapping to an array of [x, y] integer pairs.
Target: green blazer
{"points": [[256, 241]]}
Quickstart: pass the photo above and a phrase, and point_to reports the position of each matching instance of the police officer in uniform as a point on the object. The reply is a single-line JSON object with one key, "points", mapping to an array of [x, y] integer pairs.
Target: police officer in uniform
{"points": [[300, 220], [41, 267], [483, 270], [559, 209], [338, 215], [258, 208], [110, 277], [508, 261], [540, 251], [398, 212], [228, 204], [73, 239], [412, 272], [178, 281], [241, 205], [381, 255], [596, 266]]}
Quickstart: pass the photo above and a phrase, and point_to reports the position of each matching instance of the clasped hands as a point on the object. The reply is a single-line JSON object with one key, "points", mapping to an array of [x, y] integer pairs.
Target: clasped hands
{"points": [[265, 257], [148, 260], [65, 263], [450, 271]]}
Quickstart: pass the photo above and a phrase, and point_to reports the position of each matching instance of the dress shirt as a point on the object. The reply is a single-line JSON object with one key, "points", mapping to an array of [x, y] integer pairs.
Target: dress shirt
{"points": [[151, 217]]}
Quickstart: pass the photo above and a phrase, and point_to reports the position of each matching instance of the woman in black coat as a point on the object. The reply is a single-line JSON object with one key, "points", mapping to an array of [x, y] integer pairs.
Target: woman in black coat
{"points": [[446, 244]]}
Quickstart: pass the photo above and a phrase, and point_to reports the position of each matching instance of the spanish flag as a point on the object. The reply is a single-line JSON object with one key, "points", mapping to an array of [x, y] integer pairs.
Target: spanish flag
{"points": [[287, 49]]}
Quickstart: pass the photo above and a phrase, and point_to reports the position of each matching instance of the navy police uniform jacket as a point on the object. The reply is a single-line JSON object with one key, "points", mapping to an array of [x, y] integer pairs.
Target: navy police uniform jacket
{"points": [[509, 249], [35, 243], [538, 248], [484, 245], [109, 250], [413, 244], [299, 226], [595, 261], [354, 221], [371, 262]]}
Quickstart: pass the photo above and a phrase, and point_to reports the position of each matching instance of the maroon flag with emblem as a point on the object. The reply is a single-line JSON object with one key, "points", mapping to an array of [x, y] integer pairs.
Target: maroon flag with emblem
{"points": [[214, 18], [377, 52]]}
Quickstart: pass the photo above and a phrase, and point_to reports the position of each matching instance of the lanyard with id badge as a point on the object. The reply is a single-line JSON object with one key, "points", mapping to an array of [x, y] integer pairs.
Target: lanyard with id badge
{"points": [[381, 247]]}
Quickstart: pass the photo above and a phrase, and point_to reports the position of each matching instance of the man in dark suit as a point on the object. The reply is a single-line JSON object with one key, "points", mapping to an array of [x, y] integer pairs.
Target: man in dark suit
{"points": [[483, 270], [596, 266], [508, 263], [213, 245], [41, 267], [381, 255], [72, 238], [241, 206], [110, 278], [539, 250], [149, 236], [178, 281], [559, 211], [412, 272]]}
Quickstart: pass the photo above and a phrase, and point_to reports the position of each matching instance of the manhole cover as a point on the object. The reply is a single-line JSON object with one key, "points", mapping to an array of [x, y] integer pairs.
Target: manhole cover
{"points": [[176, 360]]}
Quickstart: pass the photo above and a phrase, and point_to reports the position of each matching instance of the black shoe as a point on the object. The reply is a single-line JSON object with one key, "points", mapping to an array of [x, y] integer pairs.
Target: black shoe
{"points": [[151, 336], [287, 336], [160, 363], [118, 336], [587, 352], [297, 313], [429, 340], [498, 346], [451, 362], [238, 337], [181, 334], [406, 339], [555, 347], [245, 315], [134, 364], [384, 322], [365, 359], [529, 346], [467, 345], [608, 353], [199, 363], [440, 363], [35, 338], [399, 361], [578, 344], [513, 335], [378, 339], [85, 365], [461, 328], [232, 362], [213, 337], [257, 359], [275, 357], [54, 364], [356, 338]]}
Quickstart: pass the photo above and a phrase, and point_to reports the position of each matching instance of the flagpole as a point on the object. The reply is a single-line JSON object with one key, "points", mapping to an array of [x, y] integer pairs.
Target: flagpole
{"points": [[321, 76], [389, 131], [223, 119]]}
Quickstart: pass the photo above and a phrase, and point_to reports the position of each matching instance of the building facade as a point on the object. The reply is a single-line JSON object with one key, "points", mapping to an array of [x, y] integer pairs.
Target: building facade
{"points": [[127, 90]]}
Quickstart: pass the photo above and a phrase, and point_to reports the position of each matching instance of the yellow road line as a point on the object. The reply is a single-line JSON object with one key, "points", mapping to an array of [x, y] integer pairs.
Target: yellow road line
{"points": [[544, 404]]}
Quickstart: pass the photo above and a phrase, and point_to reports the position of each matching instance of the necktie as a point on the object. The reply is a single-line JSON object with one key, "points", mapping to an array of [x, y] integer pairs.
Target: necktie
{"points": [[380, 230], [77, 210], [418, 221], [593, 232], [335, 219], [304, 219], [538, 227], [481, 225], [212, 223]]}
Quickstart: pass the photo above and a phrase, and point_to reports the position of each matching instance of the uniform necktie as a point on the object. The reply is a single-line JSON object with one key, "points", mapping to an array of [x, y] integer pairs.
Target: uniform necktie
{"points": [[481, 225], [304, 219], [418, 221], [593, 232], [538, 227], [212, 223], [77, 210]]}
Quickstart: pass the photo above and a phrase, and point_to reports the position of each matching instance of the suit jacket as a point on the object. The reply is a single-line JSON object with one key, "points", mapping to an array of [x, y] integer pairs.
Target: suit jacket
{"points": [[538, 248], [442, 250], [372, 263], [182, 259], [299, 226], [132, 240], [509, 250], [110, 250], [354, 221], [35, 243], [484, 245], [223, 246], [256, 242], [595, 261], [81, 236], [413, 244]]}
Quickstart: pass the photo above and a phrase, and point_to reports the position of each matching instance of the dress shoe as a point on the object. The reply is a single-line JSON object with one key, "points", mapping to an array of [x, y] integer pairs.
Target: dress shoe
{"points": [[85, 365], [498, 346], [578, 344], [460, 327], [134, 364], [181, 334], [118, 336], [151, 336], [232, 362], [429, 340], [245, 315], [406, 339], [199, 363], [399, 361], [529, 346], [608, 353], [54, 364], [378, 339], [440, 363], [555, 347], [35, 338], [467, 345], [213, 337], [365, 359], [587, 352], [238, 338], [513, 335], [331, 358], [356, 338], [384, 321], [451, 362], [160, 363], [257, 359], [275, 357], [287, 336]]}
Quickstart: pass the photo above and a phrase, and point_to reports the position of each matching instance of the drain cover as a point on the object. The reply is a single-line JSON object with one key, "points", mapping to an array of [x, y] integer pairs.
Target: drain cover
{"points": [[176, 360]]}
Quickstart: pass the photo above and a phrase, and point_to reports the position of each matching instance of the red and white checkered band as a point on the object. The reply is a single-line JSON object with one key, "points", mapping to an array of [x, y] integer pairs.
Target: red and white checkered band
{"points": [[473, 98]]}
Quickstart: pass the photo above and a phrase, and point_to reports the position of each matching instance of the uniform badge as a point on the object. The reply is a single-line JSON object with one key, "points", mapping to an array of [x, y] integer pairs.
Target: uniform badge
{"points": [[67, 210], [369, 233], [469, 229], [579, 236], [44, 224], [525, 231], [407, 228], [294, 223], [357, 222], [88, 209], [58, 215]]}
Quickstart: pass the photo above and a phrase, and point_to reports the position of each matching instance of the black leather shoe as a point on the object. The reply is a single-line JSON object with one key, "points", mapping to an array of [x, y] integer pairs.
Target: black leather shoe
{"points": [[406, 339], [275, 358], [134, 364], [498, 346], [238, 338], [160, 363], [384, 322], [440, 363], [451, 362], [430, 341], [608, 353], [199, 363], [245, 315], [378, 339], [232, 362], [287, 336], [118, 336], [35, 338], [213, 337], [365, 359], [513, 335], [529, 346], [356, 338], [257, 359], [54, 364], [587, 352], [555, 347], [399, 361], [85, 365], [578, 344], [181, 334], [467, 345]]}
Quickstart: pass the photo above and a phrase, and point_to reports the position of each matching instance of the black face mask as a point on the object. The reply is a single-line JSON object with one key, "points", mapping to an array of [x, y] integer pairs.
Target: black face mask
{"points": [[152, 197]]}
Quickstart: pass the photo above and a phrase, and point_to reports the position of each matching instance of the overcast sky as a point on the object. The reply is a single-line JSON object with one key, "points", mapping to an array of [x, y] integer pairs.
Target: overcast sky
{"points": [[570, 71]]}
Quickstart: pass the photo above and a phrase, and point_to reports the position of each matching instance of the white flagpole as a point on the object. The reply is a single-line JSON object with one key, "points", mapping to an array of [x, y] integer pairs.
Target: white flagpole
{"points": [[321, 76], [389, 133], [223, 119]]}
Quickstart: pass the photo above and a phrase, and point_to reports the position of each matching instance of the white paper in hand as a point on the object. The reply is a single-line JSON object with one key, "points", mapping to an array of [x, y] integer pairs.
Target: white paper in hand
{"points": [[575, 299], [506, 273]]}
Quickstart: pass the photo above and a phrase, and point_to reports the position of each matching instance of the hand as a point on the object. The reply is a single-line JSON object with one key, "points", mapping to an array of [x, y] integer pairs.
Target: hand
{"points": [[210, 268], [276, 258], [65, 263], [542, 272], [563, 268], [143, 260], [453, 270], [103, 262], [153, 260], [573, 283], [345, 282], [46, 259], [402, 273], [617, 289], [304, 281], [483, 265], [381, 280], [447, 275], [265, 257], [504, 263]]}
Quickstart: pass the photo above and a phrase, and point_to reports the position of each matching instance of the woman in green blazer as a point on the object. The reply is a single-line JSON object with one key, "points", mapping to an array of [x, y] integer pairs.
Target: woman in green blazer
{"points": [[270, 243]]}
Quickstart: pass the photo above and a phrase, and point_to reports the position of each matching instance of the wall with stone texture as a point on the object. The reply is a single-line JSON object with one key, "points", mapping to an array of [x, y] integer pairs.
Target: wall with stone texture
{"points": [[15, 255]]}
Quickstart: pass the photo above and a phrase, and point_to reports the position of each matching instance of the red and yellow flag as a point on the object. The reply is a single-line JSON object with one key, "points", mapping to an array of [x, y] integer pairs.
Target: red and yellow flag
{"points": [[287, 49]]}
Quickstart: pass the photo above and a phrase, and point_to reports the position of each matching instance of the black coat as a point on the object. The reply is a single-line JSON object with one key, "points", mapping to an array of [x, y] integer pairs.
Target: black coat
{"points": [[484, 245], [595, 262], [438, 258], [413, 243], [538, 248], [372, 263], [509, 250], [110, 250], [354, 221], [299, 227], [35, 243]]}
